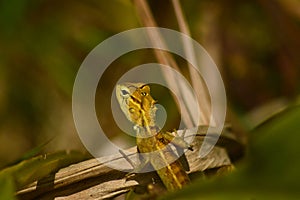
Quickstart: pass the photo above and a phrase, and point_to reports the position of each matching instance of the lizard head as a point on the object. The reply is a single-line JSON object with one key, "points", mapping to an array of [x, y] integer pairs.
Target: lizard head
{"points": [[136, 103]]}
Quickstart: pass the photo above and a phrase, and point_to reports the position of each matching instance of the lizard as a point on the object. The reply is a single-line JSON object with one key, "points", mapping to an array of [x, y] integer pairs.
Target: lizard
{"points": [[139, 107]]}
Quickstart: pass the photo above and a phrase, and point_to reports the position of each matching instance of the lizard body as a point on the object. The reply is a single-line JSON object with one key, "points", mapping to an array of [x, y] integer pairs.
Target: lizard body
{"points": [[139, 107]]}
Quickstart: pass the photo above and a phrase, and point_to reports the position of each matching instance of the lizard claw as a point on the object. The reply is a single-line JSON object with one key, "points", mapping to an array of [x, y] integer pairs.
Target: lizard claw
{"points": [[130, 175]]}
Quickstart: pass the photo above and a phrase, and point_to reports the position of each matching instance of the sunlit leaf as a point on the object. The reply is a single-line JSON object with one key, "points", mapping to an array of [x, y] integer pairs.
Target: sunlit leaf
{"points": [[271, 170]]}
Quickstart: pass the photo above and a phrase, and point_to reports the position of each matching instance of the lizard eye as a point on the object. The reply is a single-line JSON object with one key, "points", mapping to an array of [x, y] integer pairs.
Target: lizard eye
{"points": [[124, 92], [143, 93]]}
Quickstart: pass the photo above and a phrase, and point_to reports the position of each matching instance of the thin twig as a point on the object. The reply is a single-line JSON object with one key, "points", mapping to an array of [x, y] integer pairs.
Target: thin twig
{"points": [[197, 81], [166, 59], [126, 158]]}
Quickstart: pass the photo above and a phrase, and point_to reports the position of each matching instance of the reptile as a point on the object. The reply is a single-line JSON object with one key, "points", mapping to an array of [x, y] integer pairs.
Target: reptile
{"points": [[139, 107]]}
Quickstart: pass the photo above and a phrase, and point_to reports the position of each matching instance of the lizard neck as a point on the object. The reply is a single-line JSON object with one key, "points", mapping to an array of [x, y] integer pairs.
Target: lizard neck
{"points": [[149, 131]]}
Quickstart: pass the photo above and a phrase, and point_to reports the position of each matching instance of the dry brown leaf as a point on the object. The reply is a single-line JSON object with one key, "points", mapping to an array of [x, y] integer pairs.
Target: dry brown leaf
{"points": [[94, 180]]}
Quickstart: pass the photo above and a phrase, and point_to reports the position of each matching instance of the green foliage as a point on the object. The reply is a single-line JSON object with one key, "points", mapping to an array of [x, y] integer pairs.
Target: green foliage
{"points": [[32, 152], [271, 170], [36, 168], [7, 189]]}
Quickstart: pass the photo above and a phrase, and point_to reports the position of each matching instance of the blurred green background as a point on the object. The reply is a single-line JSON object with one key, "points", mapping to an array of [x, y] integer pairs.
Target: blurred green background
{"points": [[255, 44]]}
